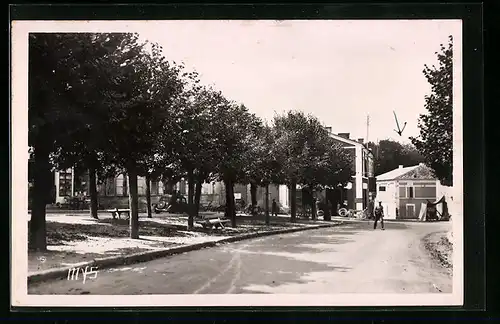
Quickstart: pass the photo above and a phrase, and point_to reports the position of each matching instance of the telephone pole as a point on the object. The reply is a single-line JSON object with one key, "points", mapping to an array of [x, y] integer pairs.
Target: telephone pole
{"points": [[367, 127]]}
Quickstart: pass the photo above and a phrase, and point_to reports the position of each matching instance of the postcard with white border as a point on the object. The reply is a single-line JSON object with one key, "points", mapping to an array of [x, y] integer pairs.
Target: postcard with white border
{"points": [[237, 163]]}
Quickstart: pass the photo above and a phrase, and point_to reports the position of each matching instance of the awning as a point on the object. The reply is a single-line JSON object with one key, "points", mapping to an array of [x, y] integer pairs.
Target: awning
{"points": [[437, 202]]}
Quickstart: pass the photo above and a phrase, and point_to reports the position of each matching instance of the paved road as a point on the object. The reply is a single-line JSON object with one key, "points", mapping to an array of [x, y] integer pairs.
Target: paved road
{"points": [[352, 258]]}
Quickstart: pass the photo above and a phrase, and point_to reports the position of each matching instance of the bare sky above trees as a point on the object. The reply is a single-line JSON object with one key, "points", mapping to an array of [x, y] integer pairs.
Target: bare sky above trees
{"points": [[339, 71]]}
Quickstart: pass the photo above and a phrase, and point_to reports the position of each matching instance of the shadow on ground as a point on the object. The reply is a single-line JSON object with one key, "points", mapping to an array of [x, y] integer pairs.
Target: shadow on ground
{"points": [[310, 244], [62, 233], [259, 280], [59, 233]]}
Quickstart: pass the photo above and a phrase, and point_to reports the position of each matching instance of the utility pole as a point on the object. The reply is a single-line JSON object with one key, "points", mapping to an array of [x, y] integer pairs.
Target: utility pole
{"points": [[367, 127]]}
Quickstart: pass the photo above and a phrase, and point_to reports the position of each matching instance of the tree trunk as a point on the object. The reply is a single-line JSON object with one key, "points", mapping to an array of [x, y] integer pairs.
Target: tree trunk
{"points": [[227, 198], [93, 193], [266, 208], [148, 196], [326, 211], [134, 203], [190, 199], [197, 196], [253, 195], [230, 205], [313, 208], [37, 239], [293, 202]]}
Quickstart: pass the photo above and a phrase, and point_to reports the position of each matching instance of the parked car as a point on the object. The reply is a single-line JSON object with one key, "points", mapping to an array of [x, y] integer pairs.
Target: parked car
{"points": [[164, 205]]}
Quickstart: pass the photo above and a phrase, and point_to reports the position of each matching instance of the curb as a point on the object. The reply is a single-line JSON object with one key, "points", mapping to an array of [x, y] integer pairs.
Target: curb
{"points": [[103, 263]]}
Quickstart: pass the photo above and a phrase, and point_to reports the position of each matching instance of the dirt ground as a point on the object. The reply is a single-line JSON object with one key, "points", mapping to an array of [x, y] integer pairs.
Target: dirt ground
{"points": [[73, 239], [440, 248]]}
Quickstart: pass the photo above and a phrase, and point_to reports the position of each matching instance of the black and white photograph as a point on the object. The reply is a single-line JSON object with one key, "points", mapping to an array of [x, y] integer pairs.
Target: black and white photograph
{"points": [[237, 163]]}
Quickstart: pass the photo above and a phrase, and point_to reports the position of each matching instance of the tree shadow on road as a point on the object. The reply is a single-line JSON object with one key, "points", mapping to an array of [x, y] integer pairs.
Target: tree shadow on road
{"points": [[312, 244], [276, 271]]}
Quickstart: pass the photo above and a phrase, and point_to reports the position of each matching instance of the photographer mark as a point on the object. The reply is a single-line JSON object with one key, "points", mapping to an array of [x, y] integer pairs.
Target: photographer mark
{"points": [[87, 272]]}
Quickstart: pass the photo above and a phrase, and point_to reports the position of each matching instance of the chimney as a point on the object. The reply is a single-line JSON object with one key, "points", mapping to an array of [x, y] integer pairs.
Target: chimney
{"points": [[400, 166], [360, 140], [344, 135], [328, 129]]}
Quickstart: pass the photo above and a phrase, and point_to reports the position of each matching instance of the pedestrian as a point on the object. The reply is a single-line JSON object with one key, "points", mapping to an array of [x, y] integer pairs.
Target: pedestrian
{"points": [[274, 208], [379, 215]]}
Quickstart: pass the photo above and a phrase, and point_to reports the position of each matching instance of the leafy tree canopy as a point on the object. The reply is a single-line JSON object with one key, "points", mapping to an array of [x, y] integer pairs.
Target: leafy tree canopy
{"points": [[435, 142]]}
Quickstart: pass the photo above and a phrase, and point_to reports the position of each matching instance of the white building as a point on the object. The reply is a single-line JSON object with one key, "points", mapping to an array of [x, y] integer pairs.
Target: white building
{"points": [[403, 190]]}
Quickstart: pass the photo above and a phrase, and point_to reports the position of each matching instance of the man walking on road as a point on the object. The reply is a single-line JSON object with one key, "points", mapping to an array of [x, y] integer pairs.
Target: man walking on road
{"points": [[379, 215]]}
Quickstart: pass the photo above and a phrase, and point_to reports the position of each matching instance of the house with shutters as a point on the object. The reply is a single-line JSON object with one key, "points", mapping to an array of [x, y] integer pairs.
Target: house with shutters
{"points": [[403, 190]]}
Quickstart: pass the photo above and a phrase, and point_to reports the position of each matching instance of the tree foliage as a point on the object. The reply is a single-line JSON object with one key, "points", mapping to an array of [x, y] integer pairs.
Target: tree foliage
{"points": [[112, 104], [307, 155], [63, 106], [236, 134], [390, 154], [435, 142]]}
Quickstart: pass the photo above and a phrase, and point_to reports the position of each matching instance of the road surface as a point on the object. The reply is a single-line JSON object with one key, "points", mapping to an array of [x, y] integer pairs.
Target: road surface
{"points": [[352, 258]]}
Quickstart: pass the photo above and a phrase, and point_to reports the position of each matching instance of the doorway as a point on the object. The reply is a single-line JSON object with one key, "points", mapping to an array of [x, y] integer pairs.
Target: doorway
{"points": [[410, 211]]}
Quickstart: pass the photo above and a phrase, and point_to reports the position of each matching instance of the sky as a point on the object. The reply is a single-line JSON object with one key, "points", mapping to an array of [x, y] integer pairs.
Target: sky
{"points": [[338, 70]]}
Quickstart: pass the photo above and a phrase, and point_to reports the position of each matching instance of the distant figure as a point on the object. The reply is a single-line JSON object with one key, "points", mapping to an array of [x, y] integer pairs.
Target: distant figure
{"points": [[379, 215], [274, 209], [173, 200]]}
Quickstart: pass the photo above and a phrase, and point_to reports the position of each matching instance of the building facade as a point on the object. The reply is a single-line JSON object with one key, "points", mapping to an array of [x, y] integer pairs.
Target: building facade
{"points": [[357, 193], [403, 190]]}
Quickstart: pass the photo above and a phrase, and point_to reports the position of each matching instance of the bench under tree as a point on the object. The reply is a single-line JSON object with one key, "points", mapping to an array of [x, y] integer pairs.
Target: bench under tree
{"points": [[117, 212], [212, 221]]}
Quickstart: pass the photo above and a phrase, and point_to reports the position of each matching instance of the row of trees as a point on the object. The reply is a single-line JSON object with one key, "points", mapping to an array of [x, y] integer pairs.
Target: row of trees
{"points": [[111, 103]]}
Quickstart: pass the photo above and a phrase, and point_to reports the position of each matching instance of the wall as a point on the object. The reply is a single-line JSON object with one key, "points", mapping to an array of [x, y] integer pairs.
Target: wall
{"points": [[388, 198], [447, 192], [274, 193], [423, 191], [351, 195], [283, 196], [358, 188]]}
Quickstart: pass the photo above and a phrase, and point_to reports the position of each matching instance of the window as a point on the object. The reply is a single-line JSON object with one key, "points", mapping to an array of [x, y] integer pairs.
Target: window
{"points": [[119, 185], [65, 183], [154, 188], [141, 186], [410, 192], [425, 192], [110, 189], [402, 192], [381, 188]]}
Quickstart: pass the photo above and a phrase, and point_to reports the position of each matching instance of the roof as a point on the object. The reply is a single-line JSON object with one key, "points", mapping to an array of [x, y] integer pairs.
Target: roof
{"points": [[345, 140], [419, 172], [350, 141]]}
